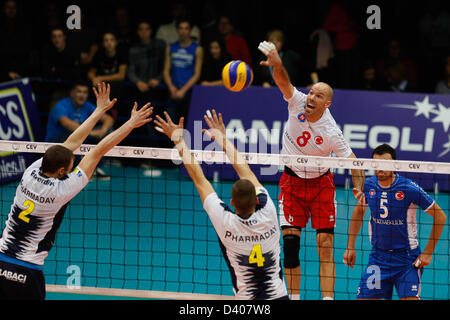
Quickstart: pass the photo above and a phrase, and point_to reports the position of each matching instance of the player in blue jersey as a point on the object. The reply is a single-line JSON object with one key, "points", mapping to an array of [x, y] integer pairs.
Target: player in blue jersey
{"points": [[396, 259]]}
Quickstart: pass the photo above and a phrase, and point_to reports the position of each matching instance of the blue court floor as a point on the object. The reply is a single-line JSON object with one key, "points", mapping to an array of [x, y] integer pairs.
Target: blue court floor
{"points": [[141, 233]]}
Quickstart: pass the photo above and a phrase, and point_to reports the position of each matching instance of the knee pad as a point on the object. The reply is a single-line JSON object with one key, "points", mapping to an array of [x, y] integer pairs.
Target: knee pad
{"points": [[291, 248]]}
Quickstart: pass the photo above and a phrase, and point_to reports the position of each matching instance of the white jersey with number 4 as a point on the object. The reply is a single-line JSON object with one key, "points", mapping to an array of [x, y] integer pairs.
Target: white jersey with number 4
{"points": [[304, 138], [37, 212], [251, 247]]}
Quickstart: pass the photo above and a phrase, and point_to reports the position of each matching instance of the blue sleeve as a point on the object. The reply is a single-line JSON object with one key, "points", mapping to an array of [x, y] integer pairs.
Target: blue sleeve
{"points": [[60, 110], [420, 197]]}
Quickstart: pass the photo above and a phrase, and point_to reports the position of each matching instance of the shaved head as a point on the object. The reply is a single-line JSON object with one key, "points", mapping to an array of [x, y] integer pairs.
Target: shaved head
{"points": [[318, 100], [325, 88]]}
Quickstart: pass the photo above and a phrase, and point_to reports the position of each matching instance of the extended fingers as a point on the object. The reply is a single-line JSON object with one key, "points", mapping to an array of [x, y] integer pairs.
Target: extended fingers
{"points": [[265, 47]]}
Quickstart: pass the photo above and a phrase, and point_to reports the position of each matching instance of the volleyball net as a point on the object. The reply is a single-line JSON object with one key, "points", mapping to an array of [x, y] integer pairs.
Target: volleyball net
{"points": [[144, 234]]}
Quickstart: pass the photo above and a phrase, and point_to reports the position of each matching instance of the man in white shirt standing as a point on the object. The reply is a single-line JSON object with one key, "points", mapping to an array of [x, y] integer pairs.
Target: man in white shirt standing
{"points": [[250, 236], [309, 192]]}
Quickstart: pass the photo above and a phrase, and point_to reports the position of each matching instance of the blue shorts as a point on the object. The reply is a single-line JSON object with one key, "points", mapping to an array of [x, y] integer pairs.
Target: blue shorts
{"points": [[388, 269]]}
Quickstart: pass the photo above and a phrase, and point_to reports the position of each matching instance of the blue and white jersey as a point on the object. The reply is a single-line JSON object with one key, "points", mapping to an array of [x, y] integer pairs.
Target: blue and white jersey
{"points": [[393, 223], [251, 247], [36, 213]]}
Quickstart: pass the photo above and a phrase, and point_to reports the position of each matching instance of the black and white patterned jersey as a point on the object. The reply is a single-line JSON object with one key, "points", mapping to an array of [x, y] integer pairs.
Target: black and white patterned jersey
{"points": [[36, 213], [251, 247]]}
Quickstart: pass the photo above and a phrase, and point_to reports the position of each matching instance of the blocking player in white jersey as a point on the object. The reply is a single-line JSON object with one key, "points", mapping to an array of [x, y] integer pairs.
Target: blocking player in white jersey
{"points": [[309, 192], [42, 197], [250, 236]]}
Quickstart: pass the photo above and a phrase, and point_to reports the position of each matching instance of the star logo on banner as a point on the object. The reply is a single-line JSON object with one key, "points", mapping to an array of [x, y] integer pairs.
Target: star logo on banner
{"points": [[443, 116], [424, 107], [447, 148], [427, 109]]}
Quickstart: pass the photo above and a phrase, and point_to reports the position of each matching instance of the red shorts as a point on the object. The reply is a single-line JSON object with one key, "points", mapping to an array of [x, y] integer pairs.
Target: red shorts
{"points": [[303, 198]]}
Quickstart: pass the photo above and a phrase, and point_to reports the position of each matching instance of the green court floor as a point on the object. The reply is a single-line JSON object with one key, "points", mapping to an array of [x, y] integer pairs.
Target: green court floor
{"points": [[134, 232]]}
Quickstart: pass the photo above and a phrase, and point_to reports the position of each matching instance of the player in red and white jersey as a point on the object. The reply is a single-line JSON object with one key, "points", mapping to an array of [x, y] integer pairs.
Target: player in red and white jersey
{"points": [[249, 237], [309, 192], [42, 197]]}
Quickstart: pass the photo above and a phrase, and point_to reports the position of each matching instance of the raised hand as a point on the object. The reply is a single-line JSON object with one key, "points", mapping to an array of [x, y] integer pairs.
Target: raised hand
{"points": [[102, 94], [270, 51], [215, 124], [170, 129], [140, 117]]}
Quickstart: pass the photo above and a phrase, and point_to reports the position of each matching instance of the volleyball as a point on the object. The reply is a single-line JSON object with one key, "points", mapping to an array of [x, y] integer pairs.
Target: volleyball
{"points": [[237, 75]]}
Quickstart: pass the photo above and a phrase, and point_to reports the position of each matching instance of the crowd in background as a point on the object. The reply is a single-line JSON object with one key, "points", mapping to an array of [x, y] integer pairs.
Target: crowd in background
{"points": [[158, 53]]}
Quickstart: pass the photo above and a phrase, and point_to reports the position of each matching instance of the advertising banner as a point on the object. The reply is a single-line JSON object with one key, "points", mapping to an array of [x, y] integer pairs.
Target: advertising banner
{"points": [[416, 125], [19, 121]]}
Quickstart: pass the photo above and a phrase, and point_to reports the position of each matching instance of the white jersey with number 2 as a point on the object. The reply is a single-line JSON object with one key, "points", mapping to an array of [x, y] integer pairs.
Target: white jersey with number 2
{"points": [[304, 138], [37, 212]]}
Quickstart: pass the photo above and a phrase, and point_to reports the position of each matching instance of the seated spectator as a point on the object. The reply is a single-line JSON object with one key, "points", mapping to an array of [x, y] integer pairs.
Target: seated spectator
{"points": [[397, 79], [300, 72], [370, 79], [122, 28], [215, 59], [69, 113], [343, 28], [146, 64], [182, 69], [15, 43], [57, 62], [168, 32], [236, 45], [443, 86], [394, 56], [109, 65]]}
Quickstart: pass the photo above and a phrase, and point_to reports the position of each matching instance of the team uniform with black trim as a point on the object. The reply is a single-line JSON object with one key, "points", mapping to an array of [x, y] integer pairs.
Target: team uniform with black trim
{"points": [[393, 235], [36, 214], [309, 191], [251, 247]]}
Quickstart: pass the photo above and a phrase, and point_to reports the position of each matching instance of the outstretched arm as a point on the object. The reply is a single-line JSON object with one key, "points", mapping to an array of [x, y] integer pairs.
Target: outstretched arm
{"points": [[280, 74], [355, 226], [103, 104], [138, 118], [175, 133], [217, 132], [358, 178], [439, 219]]}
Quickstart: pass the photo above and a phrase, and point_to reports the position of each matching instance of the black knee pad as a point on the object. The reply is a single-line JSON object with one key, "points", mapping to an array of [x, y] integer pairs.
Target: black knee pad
{"points": [[291, 248], [329, 230]]}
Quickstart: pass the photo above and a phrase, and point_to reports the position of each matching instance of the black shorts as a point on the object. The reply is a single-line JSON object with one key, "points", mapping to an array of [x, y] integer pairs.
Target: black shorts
{"points": [[21, 283]]}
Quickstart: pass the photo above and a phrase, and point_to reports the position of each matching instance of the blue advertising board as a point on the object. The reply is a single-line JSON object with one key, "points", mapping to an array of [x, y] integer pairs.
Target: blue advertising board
{"points": [[19, 121], [416, 125]]}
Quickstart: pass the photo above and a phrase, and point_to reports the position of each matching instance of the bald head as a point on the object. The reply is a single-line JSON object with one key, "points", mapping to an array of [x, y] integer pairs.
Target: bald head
{"points": [[325, 88]]}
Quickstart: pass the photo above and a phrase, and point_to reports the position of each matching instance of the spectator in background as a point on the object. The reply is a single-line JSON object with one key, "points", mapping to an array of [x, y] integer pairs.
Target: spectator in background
{"points": [[109, 65], [15, 43], [216, 58], [122, 28], [395, 56], [182, 69], [300, 72], [397, 78], [69, 113], [236, 45], [343, 28], [168, 32], [57, 61], [443, 86], [146, 64], [369, 78]]}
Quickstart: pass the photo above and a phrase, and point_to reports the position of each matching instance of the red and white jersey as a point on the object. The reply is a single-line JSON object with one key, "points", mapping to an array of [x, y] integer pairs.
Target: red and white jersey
{"points": [[304, 138]]}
